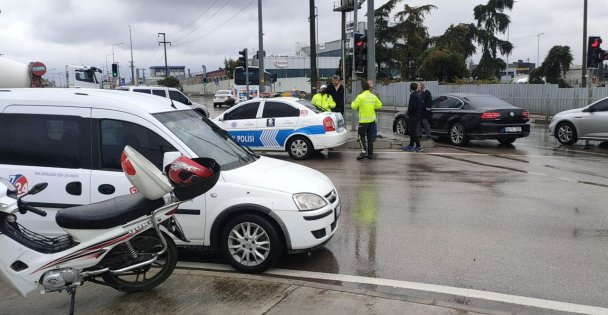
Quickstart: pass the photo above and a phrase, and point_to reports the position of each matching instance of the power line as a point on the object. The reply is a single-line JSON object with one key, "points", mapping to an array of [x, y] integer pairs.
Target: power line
{"points": [[200, 16], [211, 31], [211, 17]]}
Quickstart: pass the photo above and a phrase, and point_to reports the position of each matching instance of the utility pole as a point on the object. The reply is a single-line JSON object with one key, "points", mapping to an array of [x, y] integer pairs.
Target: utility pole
{"points": [[313, 50], [584, 66], [371, 42], [164, 42], [132, 66], [355, 28], [261, 52]]}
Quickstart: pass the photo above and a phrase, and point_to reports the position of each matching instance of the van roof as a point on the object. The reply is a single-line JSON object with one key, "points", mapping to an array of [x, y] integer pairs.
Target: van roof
{"points": [[96, 98]]}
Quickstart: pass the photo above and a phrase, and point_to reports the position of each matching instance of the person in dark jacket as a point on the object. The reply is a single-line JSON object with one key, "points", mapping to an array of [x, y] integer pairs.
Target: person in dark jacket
{"points": [[336, 90], [427, 115], [414, 112]]}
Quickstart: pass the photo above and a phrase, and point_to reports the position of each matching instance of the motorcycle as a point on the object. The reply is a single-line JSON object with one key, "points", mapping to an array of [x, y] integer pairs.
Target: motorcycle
{"points": [[121, 242]]}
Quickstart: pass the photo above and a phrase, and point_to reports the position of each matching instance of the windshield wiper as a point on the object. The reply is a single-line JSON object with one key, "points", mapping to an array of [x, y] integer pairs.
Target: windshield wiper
{"points": [[248, 149]]}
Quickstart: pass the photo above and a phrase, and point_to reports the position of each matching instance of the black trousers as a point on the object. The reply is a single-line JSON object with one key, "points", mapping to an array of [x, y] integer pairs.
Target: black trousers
{"points": [[413, 129], [366, 143]]}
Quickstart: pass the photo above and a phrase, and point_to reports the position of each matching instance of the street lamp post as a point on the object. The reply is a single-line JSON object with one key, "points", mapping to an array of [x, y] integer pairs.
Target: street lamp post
{"points": [[538, 50]]}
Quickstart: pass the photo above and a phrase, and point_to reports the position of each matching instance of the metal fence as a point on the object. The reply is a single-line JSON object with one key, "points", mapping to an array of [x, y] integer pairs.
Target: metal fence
{"points": [[542, 99]]}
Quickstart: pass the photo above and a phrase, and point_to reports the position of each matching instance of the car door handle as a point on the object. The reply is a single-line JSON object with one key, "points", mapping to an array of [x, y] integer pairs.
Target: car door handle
{"points": [[106, 189], [74, 188]]}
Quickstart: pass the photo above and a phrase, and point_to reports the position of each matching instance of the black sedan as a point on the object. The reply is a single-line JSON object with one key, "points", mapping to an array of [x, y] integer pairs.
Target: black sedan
{"points": [[461, 117]]}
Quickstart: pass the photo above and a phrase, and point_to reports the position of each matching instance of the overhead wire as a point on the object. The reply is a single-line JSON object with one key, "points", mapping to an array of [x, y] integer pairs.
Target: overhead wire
{"points": [[211, 31], [208, 19], [198, 18]]}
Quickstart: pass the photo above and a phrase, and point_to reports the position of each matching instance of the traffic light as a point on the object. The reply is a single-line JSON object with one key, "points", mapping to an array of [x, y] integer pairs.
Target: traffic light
{"points": [[360, 50], [114, 70], [594, 51], [243, 57]]}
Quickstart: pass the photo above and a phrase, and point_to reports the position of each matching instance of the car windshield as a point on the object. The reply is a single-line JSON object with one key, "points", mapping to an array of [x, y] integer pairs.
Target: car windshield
{"points": [[309, 105], [487, 102], [205, 138]]}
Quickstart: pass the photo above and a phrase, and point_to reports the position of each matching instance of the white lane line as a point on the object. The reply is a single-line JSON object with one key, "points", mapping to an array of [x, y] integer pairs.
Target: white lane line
{"points": [[434, 288]]}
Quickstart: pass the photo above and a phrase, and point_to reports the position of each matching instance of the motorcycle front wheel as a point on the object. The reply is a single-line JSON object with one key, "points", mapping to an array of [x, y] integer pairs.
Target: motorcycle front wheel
{"points": [[146, 277]]}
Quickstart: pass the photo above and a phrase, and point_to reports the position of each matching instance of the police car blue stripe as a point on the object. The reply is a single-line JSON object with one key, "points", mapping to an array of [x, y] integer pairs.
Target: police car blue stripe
{"points": [[272, 138]]}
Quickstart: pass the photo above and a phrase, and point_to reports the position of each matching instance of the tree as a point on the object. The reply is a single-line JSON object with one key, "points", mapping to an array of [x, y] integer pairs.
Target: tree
{"points": [[490, 20], [556, 64], [386, 56], [169, 82], [443, 64], [412, 38], [229, 65], [458, 39]]}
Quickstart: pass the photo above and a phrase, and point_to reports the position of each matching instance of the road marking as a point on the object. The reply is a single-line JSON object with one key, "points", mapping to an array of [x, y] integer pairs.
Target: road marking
{"points": [[433, 288]]}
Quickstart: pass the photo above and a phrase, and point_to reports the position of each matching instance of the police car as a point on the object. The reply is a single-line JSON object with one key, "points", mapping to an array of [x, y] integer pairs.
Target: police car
{"points": [[283, 124], [72, 139]]}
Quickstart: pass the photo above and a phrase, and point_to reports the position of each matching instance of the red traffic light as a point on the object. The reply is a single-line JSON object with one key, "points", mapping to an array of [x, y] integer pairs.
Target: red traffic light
{"points": [[596, 42]]}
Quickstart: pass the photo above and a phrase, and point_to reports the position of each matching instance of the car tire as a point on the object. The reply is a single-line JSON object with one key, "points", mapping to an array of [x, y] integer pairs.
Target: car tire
{"points": [[401, 126], [506, 141], [566, 133], [457, 134], [251, 244], [300, 148]]}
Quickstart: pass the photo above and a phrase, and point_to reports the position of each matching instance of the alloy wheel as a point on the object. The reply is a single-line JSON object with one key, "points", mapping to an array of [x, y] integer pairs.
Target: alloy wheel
{"points": [[457, 134], [249, 244], [299, 148], [565, 133]]}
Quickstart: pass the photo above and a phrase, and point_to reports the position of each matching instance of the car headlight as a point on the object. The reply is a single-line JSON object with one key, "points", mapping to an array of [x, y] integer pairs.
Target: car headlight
{"points": [[308, 201]]}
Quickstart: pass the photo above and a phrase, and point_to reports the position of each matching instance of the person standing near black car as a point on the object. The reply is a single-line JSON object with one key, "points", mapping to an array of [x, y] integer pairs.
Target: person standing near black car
{"points": [[414, 112], [427, 115], [336, 90]]}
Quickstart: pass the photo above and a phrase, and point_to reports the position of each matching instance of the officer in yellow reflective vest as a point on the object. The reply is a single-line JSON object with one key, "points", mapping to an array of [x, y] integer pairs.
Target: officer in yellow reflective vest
{"points": [[367, 104], [323, 100]]}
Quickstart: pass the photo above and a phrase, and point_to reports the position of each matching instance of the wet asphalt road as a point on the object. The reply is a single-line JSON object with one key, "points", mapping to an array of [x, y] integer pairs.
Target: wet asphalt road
{"points": [[526, 219]]}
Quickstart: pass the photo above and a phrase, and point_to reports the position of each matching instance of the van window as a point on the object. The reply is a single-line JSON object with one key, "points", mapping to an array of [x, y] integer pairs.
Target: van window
{"points": [[116, 134], [247, 111], [159, 93], [44, 140], [147, 91], [179, 97]]}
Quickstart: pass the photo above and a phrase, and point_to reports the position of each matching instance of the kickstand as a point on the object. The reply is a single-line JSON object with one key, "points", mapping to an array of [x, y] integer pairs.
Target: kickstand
{"points": [[72, 292]]}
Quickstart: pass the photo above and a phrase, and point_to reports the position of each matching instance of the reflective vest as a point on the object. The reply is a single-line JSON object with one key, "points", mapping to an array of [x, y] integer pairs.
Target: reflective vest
{"points": [[323, 102], [367, 104]]}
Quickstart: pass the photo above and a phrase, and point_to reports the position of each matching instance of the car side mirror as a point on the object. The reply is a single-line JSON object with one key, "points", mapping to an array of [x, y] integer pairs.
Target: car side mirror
{"points": [[220, 118], [169, 157]]}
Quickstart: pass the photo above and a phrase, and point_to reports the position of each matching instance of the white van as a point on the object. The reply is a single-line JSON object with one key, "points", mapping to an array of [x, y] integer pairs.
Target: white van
{"points": [[167, 92], [73, 138]]}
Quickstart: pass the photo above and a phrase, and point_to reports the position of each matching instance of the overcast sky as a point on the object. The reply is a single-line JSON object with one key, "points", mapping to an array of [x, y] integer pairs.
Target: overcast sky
{"points": [[204, 32]]}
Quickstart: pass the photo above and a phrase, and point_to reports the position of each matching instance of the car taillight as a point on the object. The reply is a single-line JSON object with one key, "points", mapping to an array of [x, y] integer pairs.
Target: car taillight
{"points": [[490, 115], [525, 114], [328, 124]]}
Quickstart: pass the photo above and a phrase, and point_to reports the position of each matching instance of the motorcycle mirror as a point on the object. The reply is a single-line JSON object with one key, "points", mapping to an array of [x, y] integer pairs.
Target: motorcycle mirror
{"points": [[37, 188]]}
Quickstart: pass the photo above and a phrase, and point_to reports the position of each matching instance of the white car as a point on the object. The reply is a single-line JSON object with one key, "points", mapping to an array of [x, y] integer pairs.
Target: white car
{"points": [[167, 92], [223, 97], [283, 124], [587, 123], [72, 139]]}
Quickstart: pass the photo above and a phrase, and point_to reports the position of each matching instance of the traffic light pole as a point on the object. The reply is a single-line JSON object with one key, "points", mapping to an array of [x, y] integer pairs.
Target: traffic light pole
{"points": [[584, 66], [354, 76], [371, 42]]}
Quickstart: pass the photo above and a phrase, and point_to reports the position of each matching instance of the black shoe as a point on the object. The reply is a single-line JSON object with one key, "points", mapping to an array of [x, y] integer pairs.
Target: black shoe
{"points": [[369, 156], [361, 156]]}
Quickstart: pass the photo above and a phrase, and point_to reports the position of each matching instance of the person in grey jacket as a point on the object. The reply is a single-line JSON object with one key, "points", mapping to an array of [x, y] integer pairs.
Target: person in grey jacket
{"points": [[414, 112]]}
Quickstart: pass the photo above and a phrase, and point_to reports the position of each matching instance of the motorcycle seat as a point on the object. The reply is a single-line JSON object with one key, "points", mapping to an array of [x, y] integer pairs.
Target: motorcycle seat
{"points": [[107, 214]]}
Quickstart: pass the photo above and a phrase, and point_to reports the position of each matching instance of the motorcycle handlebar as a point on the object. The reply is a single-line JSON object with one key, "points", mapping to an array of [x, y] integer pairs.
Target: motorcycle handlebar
{"points": [[37, 211]]}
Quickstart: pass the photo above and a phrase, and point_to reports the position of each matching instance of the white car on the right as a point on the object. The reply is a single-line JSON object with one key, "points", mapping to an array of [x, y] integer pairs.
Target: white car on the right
{"points": [[224, 97], [587, 123]]}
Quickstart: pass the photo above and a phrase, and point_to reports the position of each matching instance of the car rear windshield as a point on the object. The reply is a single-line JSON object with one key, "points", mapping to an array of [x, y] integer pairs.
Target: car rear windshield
{"points": [[309, 105], [487, 102], [205, 138]]}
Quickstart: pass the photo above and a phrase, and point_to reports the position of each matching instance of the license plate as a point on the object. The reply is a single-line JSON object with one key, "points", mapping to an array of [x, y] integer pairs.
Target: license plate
{"points": [[512, 129], [337, 212]]}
